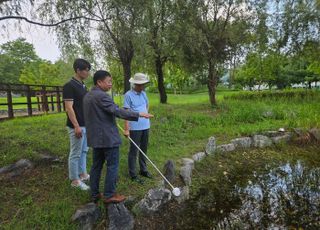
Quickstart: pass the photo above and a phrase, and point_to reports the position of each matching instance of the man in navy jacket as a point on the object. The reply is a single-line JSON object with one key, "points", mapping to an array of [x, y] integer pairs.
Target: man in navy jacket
{"points": [[100, 114]]}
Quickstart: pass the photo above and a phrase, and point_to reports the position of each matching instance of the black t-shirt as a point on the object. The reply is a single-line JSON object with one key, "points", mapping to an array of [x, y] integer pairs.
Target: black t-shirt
{"points": [[74, 91]]}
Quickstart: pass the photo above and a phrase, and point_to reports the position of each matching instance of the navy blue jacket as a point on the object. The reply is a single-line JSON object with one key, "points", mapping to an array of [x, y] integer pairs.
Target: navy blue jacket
{"points": [[100, 114]]}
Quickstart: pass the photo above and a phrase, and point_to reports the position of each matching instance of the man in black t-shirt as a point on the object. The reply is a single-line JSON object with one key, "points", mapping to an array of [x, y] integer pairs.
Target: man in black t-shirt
{"points": [[73, 93]]}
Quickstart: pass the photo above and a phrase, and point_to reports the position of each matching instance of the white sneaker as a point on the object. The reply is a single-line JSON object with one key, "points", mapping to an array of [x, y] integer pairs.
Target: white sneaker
{"points": [[82, 186], [86, 178]]}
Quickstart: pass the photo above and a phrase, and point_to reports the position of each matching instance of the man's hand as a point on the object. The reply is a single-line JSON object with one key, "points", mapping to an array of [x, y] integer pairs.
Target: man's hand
{"points": [[126, 133], [73, 118], [146, 115], [78, 132]]}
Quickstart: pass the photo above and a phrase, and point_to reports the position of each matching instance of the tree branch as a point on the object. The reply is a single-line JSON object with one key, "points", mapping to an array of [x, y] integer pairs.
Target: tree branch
{"points": [[45, 24], [113, 36], [3, 1]]}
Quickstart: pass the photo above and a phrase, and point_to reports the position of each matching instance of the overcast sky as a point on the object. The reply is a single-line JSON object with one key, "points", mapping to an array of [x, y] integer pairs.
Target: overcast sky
{"points": [[42, 39]]}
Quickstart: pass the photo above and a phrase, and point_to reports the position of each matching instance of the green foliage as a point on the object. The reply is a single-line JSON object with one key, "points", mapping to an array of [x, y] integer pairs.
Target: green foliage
{"points": [[314, 67], [65, 70], [20, 64], [177, 78], [40, 73], [277, 70], [14, 56], [46, 73], [285, 94], [115, 69]]}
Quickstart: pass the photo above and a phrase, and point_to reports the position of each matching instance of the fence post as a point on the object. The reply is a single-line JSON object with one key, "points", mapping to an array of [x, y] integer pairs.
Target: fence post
{"points": [[29, 101], [9, 100], [63, 104], [38, 102], [45, 107], [52, 103], [58, 99]]}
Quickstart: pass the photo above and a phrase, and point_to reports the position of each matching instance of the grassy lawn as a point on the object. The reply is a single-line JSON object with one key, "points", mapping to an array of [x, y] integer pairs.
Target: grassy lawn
{"points": [[22, 100], [180, 128]]}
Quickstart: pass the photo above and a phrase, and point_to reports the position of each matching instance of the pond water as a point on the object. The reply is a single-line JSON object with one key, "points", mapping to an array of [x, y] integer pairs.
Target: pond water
{"points": [[283, 197], [261, 189]]}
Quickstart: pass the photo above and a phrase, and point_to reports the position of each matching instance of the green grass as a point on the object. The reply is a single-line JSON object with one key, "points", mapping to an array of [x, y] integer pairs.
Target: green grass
{"points": [[4, 100], [179, 129]]}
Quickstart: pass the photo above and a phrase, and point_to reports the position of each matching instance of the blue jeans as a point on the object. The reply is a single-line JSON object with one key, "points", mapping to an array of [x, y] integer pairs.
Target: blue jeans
{"points": [[111, 157], [78, 154]]}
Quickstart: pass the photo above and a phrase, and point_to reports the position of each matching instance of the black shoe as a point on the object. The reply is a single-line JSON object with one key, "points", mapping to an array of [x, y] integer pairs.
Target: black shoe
{"points": [[137, 179], [146, 174]]}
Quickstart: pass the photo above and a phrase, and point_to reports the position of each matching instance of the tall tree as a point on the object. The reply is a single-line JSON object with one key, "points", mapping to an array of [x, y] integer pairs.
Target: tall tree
{"points": [[14, 56], [161, 37], [294, 22], [114, 24], [285, 36], [40, 73], [210, 34]]}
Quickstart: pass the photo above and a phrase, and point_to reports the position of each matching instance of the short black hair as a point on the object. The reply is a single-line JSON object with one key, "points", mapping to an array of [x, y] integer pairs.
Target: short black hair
{"points": [[100, 75], [81, 64]]}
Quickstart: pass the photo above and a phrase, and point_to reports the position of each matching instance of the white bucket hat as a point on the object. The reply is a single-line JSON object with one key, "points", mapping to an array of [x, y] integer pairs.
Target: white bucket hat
{"points": [[139, 79]]}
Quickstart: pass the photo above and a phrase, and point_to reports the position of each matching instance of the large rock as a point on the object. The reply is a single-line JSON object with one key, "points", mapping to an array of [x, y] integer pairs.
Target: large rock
{"points": [[199, 156], [225, 148], [184, 195], [211, 145], [261, 141], [315, 133], [186, 173], [299, 132], [169, 171], [242, 142], [281, 139], [188, 161], [119, 217], [87, 216], [271, 133], [130, 202], [48, 159], [153, 200], [17, 168]]}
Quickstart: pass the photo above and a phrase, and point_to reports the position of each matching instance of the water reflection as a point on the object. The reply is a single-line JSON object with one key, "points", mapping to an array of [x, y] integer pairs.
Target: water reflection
{"points": [[284, 197]]}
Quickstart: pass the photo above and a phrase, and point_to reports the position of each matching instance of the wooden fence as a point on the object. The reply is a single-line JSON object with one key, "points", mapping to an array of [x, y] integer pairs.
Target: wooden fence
{"points": [[48, 98]]}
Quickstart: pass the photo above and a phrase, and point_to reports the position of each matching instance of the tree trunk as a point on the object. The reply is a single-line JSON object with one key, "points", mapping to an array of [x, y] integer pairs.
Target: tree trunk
{"points": [[161, 88], [126, 76], [212, 84], [126, 53]]}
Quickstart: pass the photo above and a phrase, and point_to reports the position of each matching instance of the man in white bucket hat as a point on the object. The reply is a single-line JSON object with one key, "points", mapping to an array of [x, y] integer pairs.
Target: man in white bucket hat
{"points": [[136, 100]]}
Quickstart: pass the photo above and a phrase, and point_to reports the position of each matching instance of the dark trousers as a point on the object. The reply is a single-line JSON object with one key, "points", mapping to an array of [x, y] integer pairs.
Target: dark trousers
{"points": [[111, 157], [141, 138]]}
